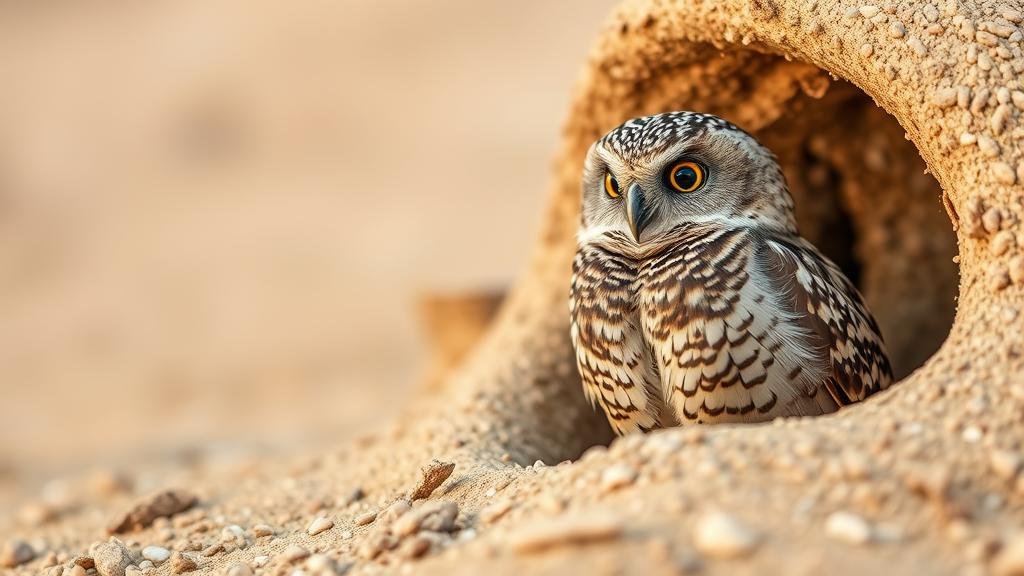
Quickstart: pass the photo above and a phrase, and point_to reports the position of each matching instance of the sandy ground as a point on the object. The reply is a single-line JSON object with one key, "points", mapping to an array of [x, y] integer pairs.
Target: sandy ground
{"points": [[253, 333], [216, 216]]}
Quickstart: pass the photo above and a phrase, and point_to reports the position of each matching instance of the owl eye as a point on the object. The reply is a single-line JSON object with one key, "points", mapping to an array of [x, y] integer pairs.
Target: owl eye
{"points": [[685, 176], [611, 185]]}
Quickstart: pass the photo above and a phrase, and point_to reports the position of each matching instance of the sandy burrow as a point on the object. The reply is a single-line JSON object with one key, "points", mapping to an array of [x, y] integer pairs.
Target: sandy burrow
{"points": [[922, 479]]}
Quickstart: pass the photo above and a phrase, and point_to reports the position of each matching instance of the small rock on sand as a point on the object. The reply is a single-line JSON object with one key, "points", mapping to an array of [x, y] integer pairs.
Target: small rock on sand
{"points": [[319, 524], [111, 557], [294, 553], [433, 516], [144, 512], [849, 527], [156, 554], [15, 553], [239, 569], [434, 474], [366, 518], [720, 535], [181, 563], [618, 476], [565, 531]]}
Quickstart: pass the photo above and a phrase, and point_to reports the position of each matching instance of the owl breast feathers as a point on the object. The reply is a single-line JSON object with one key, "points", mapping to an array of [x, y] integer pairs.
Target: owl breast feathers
{"points": [[727, 316]]}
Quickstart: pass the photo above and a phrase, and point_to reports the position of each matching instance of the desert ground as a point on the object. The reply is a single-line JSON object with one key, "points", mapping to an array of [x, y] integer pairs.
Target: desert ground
{"points": [[254, 257]]}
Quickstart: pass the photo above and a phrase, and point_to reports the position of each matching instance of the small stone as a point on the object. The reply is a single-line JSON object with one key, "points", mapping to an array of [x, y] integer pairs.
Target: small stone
{"points": [[1018, 99], [972, 433], [986, 39], [233, 534], [720, 535], [260, 561], [293, 553], [1003, 173], [394, 511], [1015, 268], [414, 547], [897, 29], [36, 513], [967, 139], [366, 518], [617, 476], [75, 570], [980, 99], [943, 97], [988, 146], [319, 524], [1010, 14], [434, 474], [564, 531], [261, 530], [212, 549], [868, 11], [181, 563], [156, 554], [433, 516], [866, 49], [917, 46], [376, 543], [239, 569], [998, 120], [992, 219], [322, 565], [144, 512], [111, 557], [15, 553], [1002, 242], [848, 527]]}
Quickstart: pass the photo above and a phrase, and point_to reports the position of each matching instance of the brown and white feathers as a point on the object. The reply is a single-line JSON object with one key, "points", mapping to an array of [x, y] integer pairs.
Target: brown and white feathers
{"points": [[693, 297]]}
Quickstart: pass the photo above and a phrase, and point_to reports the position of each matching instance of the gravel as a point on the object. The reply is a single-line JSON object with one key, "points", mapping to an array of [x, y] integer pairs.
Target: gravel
{"points": [[849, 528], [720, 535]]}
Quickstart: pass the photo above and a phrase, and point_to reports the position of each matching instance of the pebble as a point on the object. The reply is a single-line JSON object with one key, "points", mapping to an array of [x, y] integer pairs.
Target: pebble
{"points": [[432, 516], [1016, 269], [15, 552], [366, 518], [1010, 560], [868, 11], [1003, 173], [618, 476], [1005, 463], [848, 527], [239, 569], [998, 120], [319, 524], [564, 531], [111, 557], [260, 561], [233, 533], [144, 512], [1002, 242], [943, 97], [156, 554], [322, 565], [293, 553], [972, 433], [434, 474], [181, 563], [1018, 99], [261, 530], [988, 146], [917, 46], [212, 549], [896, 29], [721, 535]]}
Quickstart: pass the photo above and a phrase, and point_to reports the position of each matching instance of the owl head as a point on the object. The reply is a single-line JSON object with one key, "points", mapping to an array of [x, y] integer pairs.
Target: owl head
{"points": [[655, 173]]}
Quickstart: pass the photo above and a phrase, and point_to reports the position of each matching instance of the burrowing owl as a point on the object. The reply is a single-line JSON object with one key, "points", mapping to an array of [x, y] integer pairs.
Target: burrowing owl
{"points": [[694, 298]]}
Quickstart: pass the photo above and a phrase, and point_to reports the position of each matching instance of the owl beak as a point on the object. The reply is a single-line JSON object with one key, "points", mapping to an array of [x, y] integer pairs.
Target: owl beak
{"points": [[637, 211]]}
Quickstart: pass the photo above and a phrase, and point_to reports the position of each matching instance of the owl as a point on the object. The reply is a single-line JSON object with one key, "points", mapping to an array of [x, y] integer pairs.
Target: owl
{"points": [[694, 299]]}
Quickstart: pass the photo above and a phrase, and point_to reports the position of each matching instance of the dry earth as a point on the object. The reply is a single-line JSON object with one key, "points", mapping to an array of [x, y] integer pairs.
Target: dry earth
{"points": [[923, 479]]}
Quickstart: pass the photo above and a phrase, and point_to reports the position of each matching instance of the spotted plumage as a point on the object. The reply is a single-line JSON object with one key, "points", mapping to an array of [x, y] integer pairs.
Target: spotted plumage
{"points": [[694, 299]]}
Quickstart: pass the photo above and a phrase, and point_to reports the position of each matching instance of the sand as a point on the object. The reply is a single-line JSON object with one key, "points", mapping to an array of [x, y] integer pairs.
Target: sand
{"points": [[924, 478]]}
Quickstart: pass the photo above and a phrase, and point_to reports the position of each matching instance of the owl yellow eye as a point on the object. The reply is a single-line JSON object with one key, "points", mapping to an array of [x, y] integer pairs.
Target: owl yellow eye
{"points": [[611, 185], [685, 176]]}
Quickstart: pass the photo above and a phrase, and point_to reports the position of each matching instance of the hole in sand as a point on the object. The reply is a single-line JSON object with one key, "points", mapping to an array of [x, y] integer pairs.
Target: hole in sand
{"points": [[863, 198]]}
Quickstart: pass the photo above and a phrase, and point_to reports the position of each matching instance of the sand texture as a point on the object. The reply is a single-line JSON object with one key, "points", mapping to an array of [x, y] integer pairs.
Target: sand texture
{"points": [[859, 100]]}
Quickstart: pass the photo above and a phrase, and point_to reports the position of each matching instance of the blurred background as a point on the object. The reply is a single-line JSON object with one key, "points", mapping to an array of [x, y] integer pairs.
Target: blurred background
{"points": [[215, 215]]}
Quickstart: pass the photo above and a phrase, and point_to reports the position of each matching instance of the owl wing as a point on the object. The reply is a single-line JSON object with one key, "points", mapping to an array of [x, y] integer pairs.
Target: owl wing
{"points": [[726, 348], [613, 361], [831, 311]]}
